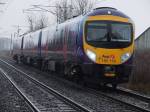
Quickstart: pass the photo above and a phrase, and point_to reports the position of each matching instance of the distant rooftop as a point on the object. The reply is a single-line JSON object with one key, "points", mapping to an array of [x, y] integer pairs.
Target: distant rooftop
{"points": [[142, 33]]}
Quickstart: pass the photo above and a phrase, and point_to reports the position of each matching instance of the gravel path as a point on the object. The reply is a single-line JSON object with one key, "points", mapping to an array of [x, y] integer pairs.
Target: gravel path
{"points": [[97, 103], [10, 101]]}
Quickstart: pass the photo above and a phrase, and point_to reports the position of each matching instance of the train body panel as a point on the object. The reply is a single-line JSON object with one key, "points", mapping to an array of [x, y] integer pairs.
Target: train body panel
{"points": [[31, 44], [96, 45], [62, 41]]}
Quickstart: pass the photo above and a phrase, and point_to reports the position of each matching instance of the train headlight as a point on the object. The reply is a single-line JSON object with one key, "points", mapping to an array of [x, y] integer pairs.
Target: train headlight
{"points": [[91, 55], [125, 57]]}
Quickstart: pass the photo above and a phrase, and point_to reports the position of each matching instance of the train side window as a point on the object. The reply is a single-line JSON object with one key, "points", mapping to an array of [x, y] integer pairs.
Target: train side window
{"points": [[22, 42], [69, 37], [72, 37], [61, 39], [66, 35], [68, 41], [55, 41], [58, 40], [78, 34]]}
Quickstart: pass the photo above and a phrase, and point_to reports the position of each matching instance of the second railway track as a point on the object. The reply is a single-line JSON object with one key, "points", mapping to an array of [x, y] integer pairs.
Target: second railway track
{"points": [[64, 104]]}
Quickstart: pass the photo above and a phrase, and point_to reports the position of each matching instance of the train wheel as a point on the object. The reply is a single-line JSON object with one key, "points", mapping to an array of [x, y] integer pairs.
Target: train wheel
{"points": [[102, 85], [39, 64], [17, 61], [21, 59], [65, 73], [25, 60], [76, 74], [45, 65], [114, 86], [31, 62]]}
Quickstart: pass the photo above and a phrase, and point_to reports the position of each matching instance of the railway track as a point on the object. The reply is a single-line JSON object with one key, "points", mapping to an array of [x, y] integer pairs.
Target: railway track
{"points": [[134, 94], [118, 99], [124, 92], [22, 95], [74, 106]]}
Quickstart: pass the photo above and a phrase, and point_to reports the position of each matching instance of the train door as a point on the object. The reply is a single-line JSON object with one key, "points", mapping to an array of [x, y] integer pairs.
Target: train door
{"points": [[39, 44], [22, 42], [65, 34]]}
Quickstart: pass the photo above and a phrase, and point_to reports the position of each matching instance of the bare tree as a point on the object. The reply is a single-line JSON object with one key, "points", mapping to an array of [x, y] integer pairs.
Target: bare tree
{"points": [[41, 22], [36, 24], [66, 9], [83, 6], [31, 23], [62, 11]]}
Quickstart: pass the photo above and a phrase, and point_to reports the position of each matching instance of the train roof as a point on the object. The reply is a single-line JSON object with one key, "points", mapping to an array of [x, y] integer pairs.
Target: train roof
{"points": [[94, 12], [107, 11]]}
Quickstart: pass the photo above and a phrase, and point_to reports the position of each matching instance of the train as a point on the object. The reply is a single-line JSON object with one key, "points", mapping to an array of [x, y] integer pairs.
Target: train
{"points": [[96, 47]]}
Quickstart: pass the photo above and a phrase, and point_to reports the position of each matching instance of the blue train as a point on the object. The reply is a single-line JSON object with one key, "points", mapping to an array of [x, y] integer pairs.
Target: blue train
{"points": [[97, 47]]}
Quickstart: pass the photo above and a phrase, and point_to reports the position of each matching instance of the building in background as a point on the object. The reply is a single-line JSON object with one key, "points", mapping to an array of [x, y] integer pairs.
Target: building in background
{"points": [[143, 41]]}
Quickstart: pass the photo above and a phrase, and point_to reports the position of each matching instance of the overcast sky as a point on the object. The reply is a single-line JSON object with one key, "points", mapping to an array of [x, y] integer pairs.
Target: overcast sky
{"points": [[138, 10]]}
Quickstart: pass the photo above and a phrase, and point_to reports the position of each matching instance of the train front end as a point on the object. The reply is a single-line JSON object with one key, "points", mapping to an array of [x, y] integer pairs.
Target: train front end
{"points": [[108, 43]]}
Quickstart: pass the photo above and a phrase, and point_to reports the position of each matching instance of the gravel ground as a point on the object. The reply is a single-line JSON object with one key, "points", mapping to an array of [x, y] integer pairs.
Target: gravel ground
{"points": [[43, 100], [128, 99], [10, 101], [97, 103]]}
